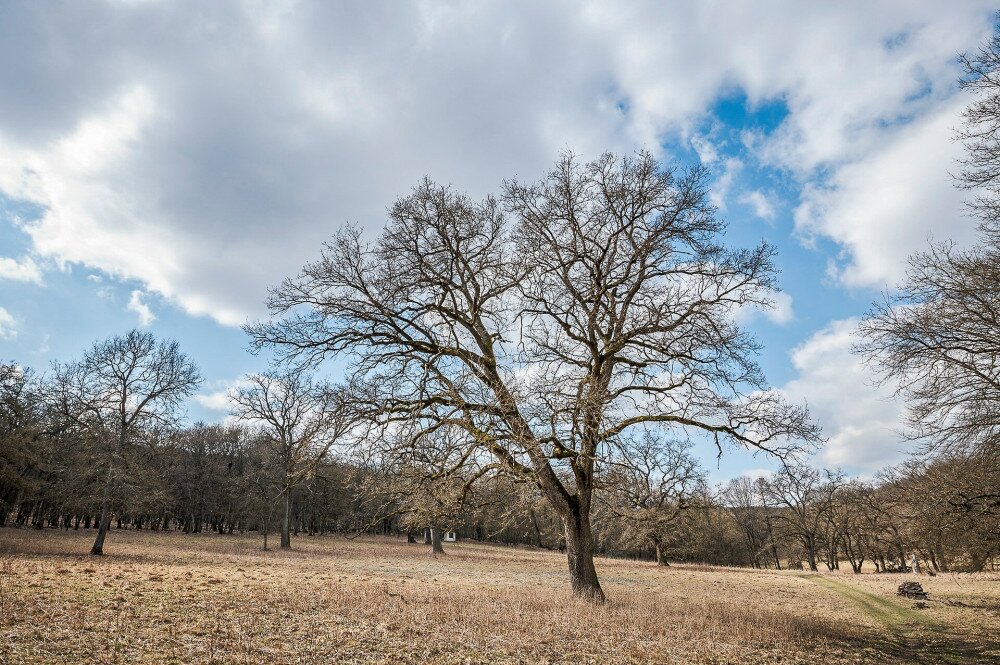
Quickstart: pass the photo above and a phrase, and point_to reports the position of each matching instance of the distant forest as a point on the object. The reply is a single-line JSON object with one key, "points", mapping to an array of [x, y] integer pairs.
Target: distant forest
{"points": [[230, 479]]}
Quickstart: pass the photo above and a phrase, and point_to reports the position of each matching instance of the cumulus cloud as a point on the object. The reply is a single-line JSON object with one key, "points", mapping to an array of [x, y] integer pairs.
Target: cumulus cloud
{"points": [[8, 325], [141, 309], [20, 270], [780, 312], [719, 193], [761, 205], [882, 208], [216, 401], [860, 420], [219, 398], [205, 150]]}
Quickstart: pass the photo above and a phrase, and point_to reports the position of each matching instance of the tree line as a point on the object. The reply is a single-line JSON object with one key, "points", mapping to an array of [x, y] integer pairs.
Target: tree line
{"points": [[239, 478]]}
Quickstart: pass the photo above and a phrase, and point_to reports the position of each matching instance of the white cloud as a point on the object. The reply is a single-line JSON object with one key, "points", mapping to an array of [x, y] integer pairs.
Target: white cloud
{"points": [[8, 325], [885, 206], [719, 192], [762, 206], [208, 183], [707, 152], [220, 399], [141, 309], [860, 420], [216, 401], [754, 474], [20, 270], [780, 313]]}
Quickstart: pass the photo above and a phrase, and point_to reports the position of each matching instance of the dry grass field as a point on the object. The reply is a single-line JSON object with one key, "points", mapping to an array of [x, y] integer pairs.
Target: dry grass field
{"points": [[172, 598]]}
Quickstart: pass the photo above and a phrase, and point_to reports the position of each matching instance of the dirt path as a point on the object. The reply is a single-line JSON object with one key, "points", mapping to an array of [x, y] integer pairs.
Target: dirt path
{"points": [[919, 638]]}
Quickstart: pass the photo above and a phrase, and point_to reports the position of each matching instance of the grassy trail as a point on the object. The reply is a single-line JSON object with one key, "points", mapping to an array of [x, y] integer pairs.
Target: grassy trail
{"points": [[919, 638]]}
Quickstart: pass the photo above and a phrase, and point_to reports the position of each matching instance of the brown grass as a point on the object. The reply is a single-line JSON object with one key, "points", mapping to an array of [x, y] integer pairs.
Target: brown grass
{"points": [[171, 598]]}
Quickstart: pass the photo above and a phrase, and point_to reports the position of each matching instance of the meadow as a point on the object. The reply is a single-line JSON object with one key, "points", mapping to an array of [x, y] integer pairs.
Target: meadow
{"points": [[175, 598]]}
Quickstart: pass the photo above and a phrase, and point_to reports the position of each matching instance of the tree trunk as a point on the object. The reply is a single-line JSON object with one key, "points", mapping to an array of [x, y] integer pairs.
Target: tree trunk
{"points": [[534, 524], [941, 561], [811, 555], [580, 556], [427, 536], [286, 538], [104, 521], [436, 547], [102, 530], [410, 538], [661, 558]]}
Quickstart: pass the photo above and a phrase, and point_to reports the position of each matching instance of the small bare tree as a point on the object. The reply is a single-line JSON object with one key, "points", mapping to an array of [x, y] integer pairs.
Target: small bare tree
{"points": [[425, 481], [547, 325], [746, 501], [647, 487], [122, 393], [807, 497], [301, 419]]}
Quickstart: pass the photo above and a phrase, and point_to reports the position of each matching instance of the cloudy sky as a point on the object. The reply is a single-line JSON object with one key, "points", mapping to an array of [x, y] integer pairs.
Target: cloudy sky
{"points": [[162, 163]]}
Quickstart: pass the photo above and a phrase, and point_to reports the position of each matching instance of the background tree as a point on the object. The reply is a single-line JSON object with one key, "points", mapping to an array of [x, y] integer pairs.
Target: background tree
{"points": [[121, 395], [605, 304], [746, 501], [647, 487], [806, 496], [22, 448], [301, 418]]}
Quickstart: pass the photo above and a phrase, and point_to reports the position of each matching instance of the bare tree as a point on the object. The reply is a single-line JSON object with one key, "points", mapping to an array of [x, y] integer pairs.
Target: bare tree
{"points": [[424, 482], [938, 339], [604, 303], [123, 391], [806, 496], [302, 420], [21, 425], [980, 135], [746, 501], [647, 487]]}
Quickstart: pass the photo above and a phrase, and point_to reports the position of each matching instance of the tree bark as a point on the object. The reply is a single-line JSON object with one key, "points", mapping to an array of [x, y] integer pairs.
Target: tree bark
{"points": [[104, 521], [286, 538], [811, 556], [661, 559], [580, 556], [436, 547], [427, 536], [534, 524], [102, 530]]}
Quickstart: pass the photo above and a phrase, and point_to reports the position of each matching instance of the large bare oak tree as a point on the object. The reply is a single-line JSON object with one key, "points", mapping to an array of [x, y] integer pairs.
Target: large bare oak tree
{"points": [[545, 324]]}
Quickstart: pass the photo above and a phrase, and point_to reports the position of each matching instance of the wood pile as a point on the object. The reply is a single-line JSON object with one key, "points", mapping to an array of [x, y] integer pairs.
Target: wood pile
{"points": [[912, 590]]}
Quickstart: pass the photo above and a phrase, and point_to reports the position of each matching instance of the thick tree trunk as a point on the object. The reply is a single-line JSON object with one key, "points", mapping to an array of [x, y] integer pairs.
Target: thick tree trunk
{"points": [[580, 556], [436, 547], [104, 524], [941, 561], [661, 558], [427, 536], [410, 538], [286, 538], [811, 556]]}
